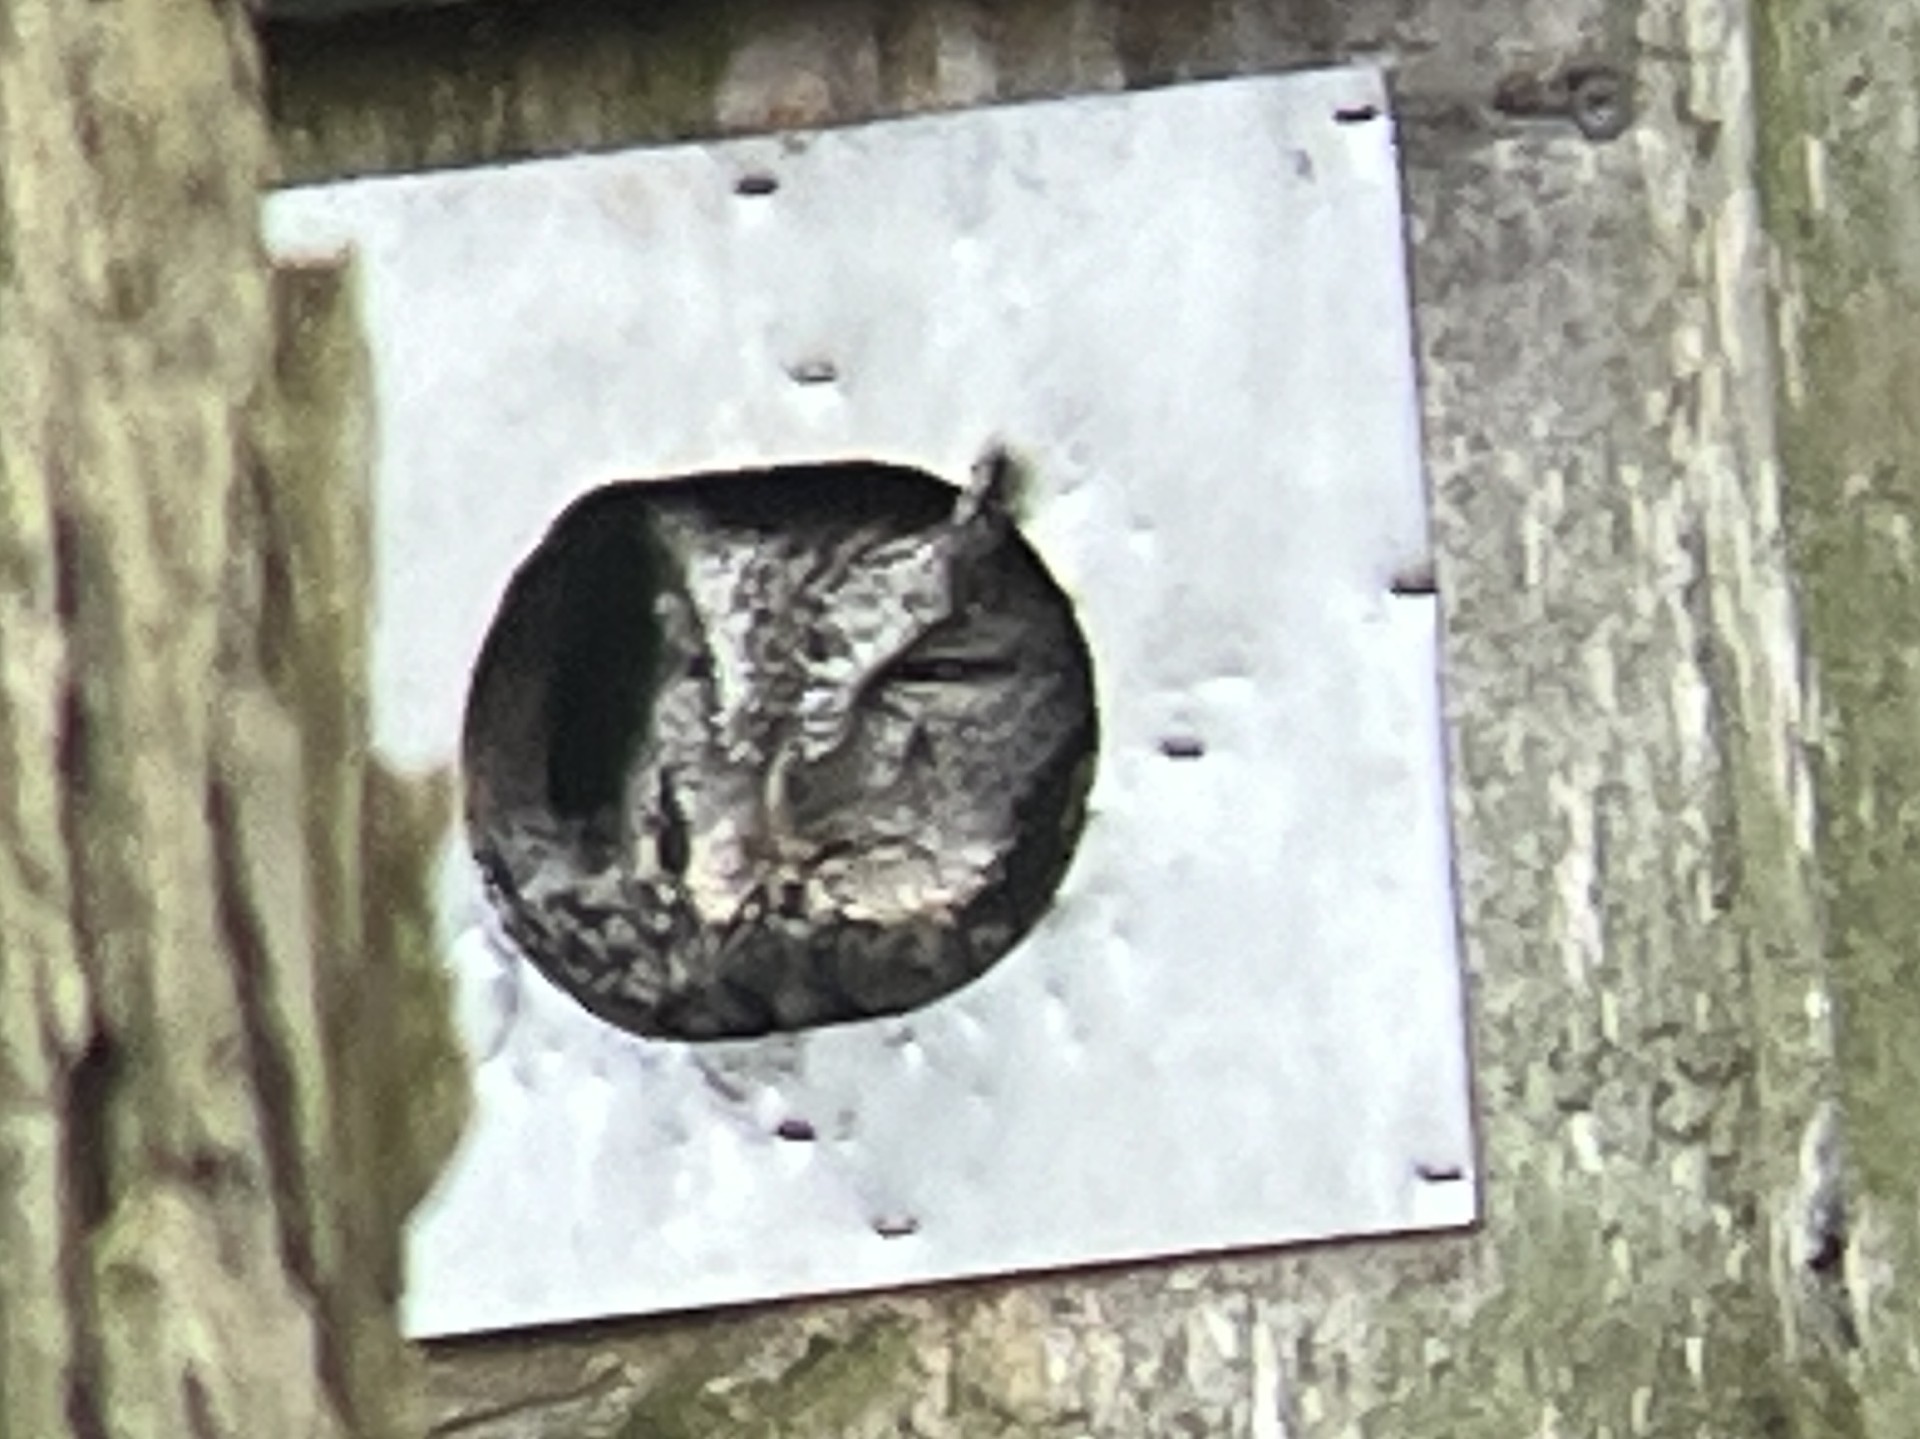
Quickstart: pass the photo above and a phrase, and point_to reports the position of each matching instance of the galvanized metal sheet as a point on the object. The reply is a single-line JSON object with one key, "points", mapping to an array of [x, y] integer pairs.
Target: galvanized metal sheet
{"points": [[1240, 1022]]}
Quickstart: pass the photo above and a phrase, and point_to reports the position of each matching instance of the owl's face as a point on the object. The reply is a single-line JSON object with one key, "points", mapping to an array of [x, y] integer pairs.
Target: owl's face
{"points": [[812, 748]]}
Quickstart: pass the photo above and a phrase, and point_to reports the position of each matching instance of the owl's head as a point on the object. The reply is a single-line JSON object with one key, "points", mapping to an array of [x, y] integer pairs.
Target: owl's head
{"points": [[823, 717]]}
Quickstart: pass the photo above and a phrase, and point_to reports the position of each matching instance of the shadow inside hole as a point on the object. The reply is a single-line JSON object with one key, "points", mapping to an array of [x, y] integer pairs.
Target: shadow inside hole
{"points": [[755, 751]]}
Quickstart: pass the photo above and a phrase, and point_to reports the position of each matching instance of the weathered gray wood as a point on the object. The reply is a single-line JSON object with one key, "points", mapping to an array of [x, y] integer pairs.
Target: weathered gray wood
{"points": [[1647, 872]]}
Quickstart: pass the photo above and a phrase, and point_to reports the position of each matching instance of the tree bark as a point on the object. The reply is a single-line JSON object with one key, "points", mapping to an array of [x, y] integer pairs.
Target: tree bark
{"points": [[208, 896]]}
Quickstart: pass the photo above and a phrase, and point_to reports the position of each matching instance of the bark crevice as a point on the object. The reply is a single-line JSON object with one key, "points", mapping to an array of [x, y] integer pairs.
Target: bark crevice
{"points": [[87, 1185], [268, 1067]]}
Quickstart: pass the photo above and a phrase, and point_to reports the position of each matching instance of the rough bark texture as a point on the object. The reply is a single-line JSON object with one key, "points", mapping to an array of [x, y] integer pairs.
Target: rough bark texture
{"points": [[199, 1221], [1648, 882], [1841, 121]]}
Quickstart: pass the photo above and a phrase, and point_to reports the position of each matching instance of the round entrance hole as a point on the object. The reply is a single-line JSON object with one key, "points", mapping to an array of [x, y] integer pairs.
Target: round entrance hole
{"points": [[764, 750]]}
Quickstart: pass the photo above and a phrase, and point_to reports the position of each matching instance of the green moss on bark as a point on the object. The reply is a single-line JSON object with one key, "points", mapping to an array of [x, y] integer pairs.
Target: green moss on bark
{"points": [[1838, 91]]}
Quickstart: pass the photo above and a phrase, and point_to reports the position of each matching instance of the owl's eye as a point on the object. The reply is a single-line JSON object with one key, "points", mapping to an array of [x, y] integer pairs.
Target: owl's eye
{"points": [[948, 669]]}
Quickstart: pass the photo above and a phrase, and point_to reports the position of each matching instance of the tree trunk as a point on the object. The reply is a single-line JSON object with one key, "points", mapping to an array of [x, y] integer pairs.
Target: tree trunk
{"points": [[208, 897]]}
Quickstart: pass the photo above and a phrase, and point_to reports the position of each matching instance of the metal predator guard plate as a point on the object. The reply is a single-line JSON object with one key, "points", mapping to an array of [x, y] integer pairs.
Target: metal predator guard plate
{"points": [[1239, 1022]]}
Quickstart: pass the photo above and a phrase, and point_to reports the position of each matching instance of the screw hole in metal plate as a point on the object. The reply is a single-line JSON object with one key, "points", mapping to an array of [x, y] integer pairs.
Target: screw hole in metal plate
{"points": [[1414, 582], [813, 372]]}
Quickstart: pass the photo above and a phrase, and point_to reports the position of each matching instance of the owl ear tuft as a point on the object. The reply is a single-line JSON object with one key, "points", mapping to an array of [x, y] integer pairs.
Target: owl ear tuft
{"points": [[998, 486], [987, 485]]}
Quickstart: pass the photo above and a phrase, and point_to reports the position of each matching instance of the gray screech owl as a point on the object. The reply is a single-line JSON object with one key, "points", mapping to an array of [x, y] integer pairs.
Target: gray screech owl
{"points": [[766, 750]]}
